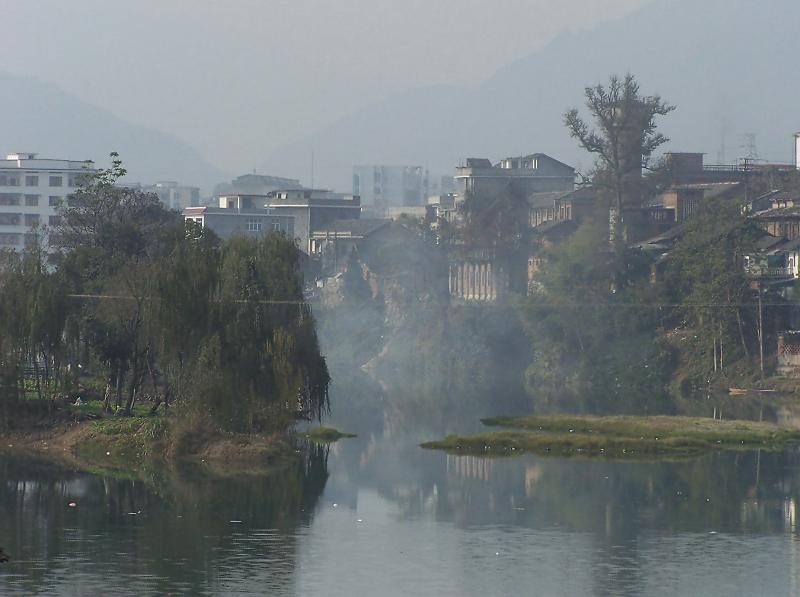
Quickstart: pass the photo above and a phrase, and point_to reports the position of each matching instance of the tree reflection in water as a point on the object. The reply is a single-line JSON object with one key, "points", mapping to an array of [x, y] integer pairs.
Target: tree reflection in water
{"points": [[182, 530]]}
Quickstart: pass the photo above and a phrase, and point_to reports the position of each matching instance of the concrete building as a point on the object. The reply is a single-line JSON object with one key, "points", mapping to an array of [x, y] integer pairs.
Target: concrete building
{"points": [[31, 191], [256, 184], [535, 173], [253, 222], [313, 210], [382, 187]]}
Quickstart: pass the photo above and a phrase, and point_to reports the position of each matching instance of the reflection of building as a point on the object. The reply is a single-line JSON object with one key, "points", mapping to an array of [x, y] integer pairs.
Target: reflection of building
{"points": [[226, 222], [382, 187], [31, 190]]}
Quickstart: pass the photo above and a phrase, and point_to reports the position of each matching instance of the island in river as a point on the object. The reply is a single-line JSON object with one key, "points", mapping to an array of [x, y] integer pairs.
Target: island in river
{"points": [[617, 436]]}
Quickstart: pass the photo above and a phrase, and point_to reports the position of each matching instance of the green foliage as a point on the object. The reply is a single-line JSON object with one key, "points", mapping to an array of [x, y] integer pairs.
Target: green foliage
{"points": [[595, 349], [149, 303]]}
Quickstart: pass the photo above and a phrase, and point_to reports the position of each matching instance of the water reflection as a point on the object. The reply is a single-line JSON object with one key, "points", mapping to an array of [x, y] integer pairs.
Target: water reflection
{"points": [[379, 515], [182, 531]]}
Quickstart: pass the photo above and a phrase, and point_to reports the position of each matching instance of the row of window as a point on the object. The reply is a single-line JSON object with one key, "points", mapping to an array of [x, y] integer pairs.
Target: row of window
{"points": [[29, 219], [14, 180], [33, 200], [257, 225]]}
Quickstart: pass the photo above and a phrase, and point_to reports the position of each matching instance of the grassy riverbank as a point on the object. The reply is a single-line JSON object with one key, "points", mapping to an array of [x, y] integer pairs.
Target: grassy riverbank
{"points": [[617, 436], [85, 437]]}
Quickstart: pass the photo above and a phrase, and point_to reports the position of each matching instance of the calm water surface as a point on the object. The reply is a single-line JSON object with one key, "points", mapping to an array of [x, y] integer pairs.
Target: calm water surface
{"points": [[378, 516]]}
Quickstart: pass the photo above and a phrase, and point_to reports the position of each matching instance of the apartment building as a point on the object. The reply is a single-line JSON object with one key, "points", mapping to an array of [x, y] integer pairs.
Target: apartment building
{"points": [[31, 190]]}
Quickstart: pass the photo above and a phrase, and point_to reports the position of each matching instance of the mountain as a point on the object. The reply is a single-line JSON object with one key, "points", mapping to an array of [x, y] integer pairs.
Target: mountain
{"points": [[727, 65], [42, 118]]}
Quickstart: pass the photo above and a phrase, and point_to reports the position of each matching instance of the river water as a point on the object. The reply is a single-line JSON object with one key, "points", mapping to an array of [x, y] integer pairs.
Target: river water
{"points": [[379, 516]]}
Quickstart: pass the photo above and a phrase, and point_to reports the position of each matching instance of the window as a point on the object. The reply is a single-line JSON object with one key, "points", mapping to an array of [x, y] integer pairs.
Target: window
{"points": [[9, 180], [31, 181], [55, 201], [9, 239], [32, 200], [254, 225], [56, 181], [10, 219], [276, 226], [31, 219], [54, 220], [9, 199]]}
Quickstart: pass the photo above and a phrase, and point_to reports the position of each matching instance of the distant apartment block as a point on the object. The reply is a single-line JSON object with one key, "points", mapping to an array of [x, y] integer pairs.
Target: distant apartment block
{"points": [[252, 222], [171, 195], [31, 191], [174, 196], [384, 187], [535, 173]]}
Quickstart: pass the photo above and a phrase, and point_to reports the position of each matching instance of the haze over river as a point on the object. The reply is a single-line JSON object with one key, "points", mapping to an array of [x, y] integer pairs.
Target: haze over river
{"points": [[377, 515]]}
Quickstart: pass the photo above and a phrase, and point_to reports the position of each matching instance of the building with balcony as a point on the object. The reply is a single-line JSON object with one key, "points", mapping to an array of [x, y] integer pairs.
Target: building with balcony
{"points": [[31, 191]]}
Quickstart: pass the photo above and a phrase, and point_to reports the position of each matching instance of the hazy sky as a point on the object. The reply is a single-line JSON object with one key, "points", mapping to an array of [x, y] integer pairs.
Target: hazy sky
{"points": [[238, 78]]}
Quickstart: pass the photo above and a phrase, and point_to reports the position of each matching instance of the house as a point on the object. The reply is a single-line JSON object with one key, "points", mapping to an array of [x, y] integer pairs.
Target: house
{"points": [[334, 242]]}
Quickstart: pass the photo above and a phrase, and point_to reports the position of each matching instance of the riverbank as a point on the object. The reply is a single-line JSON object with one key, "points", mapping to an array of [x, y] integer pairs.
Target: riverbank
{"points": [[626, 437], [82, 438]]}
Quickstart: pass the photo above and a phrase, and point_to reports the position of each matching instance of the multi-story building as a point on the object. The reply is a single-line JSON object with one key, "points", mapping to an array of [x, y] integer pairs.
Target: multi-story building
{"points": [[227, 222], [312, 209], [31, 191], [256, 184], [535, 173], [383, 187]]}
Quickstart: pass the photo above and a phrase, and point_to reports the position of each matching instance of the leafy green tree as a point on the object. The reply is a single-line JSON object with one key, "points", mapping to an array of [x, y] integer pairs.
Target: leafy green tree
{"points": [[623, 141]]}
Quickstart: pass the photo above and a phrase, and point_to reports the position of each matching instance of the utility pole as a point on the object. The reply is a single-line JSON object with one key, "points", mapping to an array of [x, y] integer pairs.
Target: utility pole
{"points": [[760, 331]]}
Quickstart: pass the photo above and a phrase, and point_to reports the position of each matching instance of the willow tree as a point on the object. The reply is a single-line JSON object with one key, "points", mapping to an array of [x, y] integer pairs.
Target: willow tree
{"points": [[623, 141]]}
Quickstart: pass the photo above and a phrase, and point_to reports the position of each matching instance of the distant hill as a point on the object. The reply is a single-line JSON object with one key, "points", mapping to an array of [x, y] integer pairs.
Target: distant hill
{"points": [[729, 66], [42, 118]]}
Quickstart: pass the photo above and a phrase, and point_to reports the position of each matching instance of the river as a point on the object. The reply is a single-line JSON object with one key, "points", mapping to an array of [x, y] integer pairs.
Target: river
{"points": [[377, 515]]}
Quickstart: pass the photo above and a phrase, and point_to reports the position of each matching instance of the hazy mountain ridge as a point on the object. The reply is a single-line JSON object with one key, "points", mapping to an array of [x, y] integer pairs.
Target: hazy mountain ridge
{"points": [[720, 89], [43, 118]]}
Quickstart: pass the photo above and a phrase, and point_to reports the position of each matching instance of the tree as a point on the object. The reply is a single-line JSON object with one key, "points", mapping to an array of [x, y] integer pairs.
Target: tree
{"points": [[624, 140]]}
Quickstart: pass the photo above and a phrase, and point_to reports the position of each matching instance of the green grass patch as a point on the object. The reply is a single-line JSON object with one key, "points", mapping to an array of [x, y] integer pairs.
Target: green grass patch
{"points": [[617, 436], [326, 435], [123, 442]]}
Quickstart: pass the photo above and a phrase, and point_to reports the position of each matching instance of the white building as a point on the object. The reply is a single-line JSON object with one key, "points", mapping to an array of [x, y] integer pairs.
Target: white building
{"points": [[31, 190]]}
